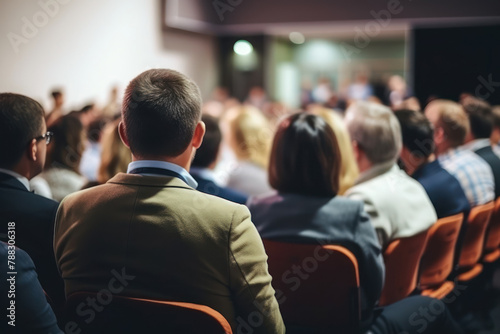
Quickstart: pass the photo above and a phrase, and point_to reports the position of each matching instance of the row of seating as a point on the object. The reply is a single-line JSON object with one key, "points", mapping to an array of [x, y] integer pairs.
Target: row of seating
{"points": [[422, 263]]}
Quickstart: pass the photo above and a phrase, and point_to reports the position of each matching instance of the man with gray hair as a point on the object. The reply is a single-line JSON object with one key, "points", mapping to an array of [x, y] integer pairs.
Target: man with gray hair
{"points": [[398, 205]]}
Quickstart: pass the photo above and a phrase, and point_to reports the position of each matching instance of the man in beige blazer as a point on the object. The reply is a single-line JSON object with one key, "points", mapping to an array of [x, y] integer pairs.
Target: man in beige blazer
{"points": [[397, 204], [150, 234]]}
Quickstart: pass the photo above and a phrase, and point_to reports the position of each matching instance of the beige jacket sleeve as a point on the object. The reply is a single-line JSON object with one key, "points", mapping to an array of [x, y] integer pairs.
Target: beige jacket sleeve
{"points": [[256, 306]]}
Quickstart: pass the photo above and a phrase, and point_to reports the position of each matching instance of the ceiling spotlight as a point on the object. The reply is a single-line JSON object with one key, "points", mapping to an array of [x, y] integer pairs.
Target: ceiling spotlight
{"points": [[297, 37], [243, 47]]}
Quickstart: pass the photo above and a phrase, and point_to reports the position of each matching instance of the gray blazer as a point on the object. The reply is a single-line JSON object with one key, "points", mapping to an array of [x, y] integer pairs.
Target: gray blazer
{"points": [[338, 220]]}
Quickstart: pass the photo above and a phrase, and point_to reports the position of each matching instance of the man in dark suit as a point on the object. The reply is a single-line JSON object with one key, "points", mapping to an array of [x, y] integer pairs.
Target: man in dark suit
{"points": [[420, 162], [22, 156], [205, 161], [481, 127], [32, 312]]}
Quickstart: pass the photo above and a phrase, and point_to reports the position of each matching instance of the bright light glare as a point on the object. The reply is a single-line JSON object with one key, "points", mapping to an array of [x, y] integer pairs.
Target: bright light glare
{"points": [[297, 37], [243, 47]]}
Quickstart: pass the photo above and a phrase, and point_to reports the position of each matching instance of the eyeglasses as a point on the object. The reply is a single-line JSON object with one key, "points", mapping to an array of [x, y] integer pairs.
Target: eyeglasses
{"points": [[47, 137]]}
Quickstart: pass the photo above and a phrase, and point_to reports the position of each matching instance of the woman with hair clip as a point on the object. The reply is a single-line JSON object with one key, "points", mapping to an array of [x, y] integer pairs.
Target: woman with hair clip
{"points": [[304, 170]]}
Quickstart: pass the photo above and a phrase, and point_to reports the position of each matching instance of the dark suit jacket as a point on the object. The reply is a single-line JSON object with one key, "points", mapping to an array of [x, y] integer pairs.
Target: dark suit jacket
{"points": [[209, 187], [33, 313], [34, 217], [443, 189], [494, 161]]}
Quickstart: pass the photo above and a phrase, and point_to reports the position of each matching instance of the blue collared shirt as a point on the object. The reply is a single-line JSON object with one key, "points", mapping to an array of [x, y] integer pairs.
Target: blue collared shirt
{"points": [[164, 165], [473, 173]]}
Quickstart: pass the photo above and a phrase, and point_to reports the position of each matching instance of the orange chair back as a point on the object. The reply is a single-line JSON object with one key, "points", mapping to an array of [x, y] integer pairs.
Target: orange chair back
{"points": [[402, 259], [437, 260], [472, 246], [316, 286], [134, 315], [493, 234]]}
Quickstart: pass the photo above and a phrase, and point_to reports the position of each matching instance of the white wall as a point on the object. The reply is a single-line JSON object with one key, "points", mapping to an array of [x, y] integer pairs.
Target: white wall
{"points": [[86, 46]]}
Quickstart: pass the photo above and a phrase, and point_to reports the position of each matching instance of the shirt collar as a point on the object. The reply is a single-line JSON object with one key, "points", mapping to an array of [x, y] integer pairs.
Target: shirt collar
{"points": [[19, 177], [477, 144], [375, 171], [164, 165], [204, 173]]}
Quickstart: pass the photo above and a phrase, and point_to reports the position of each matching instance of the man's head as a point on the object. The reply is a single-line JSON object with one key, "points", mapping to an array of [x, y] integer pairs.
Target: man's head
{"points": [[480, 118], [450, 122], [418, 138], [161, 116], [495, 134], [207, 154], [22, 126], [375, 133]]}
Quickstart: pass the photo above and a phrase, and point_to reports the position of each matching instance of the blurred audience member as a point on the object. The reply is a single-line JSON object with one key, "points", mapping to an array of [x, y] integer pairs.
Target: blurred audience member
{"points": [[205, 161], [257, 97], [86, 115], [249, 136], [22, 157], [443, 189], [478, 140], [113, 107], [397, 88], [91, 157], [322, 92], [348, 169], [495, 134], [451, 126], [398, 205], [32, 313], [57, 109], [62, 173], [410, 103], [115, 156], [361, 89]]}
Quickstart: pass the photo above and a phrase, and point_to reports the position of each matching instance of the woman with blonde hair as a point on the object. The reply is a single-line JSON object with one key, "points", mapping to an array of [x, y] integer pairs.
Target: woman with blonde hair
{"points": [[115, 156], [348, 168], [249, 135]]}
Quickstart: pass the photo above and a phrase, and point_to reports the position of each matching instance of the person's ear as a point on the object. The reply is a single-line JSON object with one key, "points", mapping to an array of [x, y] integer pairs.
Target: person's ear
{"points": [[356, 149], [438, 135], [32, 150], [199, 132], [123, 134]]}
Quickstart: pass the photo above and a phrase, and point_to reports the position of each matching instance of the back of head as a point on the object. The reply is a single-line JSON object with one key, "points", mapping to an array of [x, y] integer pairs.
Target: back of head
{"points": [[69, 143], [207, 153], [349, 169], [376, 131], [451, 117], [21, 120], [305, 157], [496, 116], [418, 132], [480, 117], [250, 134], [161, 109]]}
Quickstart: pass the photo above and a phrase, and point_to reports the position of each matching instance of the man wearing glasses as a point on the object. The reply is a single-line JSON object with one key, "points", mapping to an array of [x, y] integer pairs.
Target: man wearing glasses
{"points": [[27, 217]]}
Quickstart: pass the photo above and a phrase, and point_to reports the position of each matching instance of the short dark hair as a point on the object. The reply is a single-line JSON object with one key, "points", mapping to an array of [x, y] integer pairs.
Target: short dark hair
{"points": [[417, 131], [480, 117], [21, 120], [56, 93], [207, 153], [305, 157], [160, 111]]}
